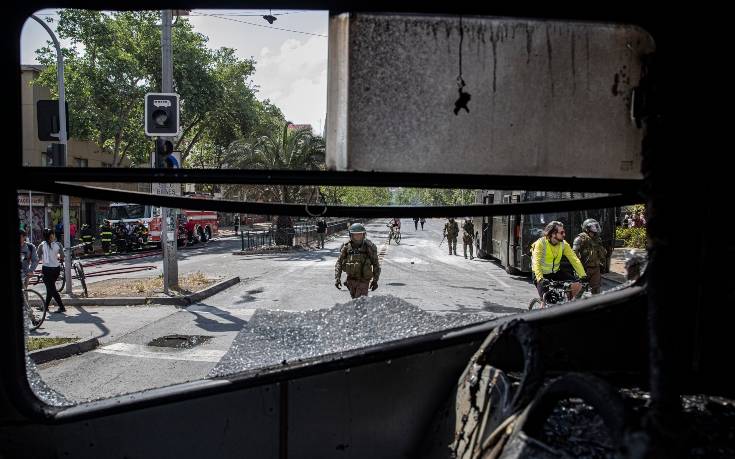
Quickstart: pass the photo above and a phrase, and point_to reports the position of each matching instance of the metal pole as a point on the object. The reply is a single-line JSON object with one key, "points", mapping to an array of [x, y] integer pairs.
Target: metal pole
{"points": [[29, 231], [170, 266], [62, 141]]}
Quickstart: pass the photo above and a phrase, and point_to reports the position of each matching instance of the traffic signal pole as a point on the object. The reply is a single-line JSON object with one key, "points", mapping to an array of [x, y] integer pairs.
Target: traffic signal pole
{"points": [[168, 244], [62, 141]]}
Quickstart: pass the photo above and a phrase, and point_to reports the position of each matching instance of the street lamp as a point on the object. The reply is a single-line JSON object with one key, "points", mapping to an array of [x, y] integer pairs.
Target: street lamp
{"points": [[62, 141]]}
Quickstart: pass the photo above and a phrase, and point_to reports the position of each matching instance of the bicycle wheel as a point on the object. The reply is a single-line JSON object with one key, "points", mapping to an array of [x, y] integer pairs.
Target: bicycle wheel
{"points": [[80, 275], [33, 303], [534, 303], [61, 281]]}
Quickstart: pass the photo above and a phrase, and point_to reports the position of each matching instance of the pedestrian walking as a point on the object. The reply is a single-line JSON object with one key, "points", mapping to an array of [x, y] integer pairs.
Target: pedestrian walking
{"points": [[51, 255], [321, 231]]}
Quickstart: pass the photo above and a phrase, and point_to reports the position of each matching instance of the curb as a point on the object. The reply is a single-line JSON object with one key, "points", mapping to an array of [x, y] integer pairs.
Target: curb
{"points": [[63, 351], [165, 301], [209, 291]]}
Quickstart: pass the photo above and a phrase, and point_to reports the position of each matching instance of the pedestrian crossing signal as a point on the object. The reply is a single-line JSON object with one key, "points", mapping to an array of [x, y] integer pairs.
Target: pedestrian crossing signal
{"points": [[162, 114]]}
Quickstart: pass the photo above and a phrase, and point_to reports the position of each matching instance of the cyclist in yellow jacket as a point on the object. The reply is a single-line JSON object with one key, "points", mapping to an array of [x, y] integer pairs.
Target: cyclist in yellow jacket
{"points": [[546, 254]]}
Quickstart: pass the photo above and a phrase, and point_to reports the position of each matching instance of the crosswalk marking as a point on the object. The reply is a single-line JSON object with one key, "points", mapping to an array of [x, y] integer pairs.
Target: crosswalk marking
{"points": [[142, 351]]}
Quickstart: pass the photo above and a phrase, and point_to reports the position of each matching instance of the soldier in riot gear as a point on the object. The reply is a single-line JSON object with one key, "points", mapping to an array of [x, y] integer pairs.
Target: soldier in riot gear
{"points": [[359, 259], [468, 234], [590, 251], [451, 231]]}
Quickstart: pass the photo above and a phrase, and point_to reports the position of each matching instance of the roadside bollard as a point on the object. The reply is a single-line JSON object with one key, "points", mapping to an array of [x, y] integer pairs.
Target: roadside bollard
{"points": [[242, 241]]}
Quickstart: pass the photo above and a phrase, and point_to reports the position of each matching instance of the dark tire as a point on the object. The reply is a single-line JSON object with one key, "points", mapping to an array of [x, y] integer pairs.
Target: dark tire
{"points": [[82, 278], [535, 303], [592, 390], [61, 281], [208, 233], [34, 305]]}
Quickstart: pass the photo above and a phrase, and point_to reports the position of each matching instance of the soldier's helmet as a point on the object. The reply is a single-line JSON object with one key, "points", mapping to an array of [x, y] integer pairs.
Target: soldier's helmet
{"points": [[357, 228], [591, 225]]}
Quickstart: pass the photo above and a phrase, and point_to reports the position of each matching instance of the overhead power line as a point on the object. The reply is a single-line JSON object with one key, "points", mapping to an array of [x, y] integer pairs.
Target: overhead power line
{"points": [[261, 25]]}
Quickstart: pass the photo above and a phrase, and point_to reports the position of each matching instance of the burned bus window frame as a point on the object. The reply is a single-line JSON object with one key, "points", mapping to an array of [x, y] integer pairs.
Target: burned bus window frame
{"points": [[13, 360]]}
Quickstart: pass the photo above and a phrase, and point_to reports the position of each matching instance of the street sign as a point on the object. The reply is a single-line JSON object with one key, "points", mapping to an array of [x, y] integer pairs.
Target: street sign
{"points": [[162, 114], [167, 189]]}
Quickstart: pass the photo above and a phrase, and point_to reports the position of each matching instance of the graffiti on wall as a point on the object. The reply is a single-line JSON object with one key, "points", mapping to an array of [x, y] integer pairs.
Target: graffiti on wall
{"points": [[56, 215], [36, 226]]}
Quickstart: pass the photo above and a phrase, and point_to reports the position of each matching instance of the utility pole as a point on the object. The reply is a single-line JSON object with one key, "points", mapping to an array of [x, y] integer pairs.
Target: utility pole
{"points": [[62, 141], [168, 225]]}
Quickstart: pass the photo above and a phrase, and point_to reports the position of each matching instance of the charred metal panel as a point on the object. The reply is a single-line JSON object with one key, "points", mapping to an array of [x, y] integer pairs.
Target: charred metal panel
{"points": [[379, 410], [547, 98], [237, 424]]}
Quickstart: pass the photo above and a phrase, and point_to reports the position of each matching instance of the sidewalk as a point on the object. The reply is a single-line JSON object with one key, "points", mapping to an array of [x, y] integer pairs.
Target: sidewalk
{"points": [[102, 322]]}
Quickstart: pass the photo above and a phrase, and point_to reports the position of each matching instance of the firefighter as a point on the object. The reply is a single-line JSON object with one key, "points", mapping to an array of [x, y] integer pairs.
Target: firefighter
{"points": [[106, 237], [121, 237], [142, 233], [88, 239]]}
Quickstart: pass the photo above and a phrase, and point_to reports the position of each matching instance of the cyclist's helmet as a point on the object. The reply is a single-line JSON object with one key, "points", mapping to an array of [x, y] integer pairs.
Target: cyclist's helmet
{"points": [[591, 225]]}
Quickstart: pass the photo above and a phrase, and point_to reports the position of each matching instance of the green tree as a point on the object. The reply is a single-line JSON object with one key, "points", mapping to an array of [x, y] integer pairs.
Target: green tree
{"points": [[356, 195], [435, 196], [285, 148], [115, 58]]}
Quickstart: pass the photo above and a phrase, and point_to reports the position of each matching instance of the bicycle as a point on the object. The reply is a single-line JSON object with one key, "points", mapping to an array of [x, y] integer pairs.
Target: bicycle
{"points": [[34, 308], [559, 292], [395, 234]]}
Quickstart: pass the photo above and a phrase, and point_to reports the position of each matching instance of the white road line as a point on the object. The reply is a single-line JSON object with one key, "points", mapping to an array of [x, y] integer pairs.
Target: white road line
{"points": [[141, 351]]}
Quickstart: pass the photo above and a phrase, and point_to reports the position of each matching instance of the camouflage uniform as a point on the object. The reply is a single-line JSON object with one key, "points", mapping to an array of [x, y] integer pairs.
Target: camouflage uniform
{"points": [[467, 236], [451, 231], [593, 255], [361, 265]]}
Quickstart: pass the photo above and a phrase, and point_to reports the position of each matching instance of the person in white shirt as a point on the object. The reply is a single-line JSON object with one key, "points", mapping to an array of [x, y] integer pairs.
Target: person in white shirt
{"points": [[51, 254]]}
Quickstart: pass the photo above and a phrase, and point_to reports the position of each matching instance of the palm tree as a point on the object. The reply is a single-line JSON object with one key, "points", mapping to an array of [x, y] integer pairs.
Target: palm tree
{"points": [[282, 149]]}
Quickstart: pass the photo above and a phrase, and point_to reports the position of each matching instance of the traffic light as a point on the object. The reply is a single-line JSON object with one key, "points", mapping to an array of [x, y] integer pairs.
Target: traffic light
{"points": [[161, 114], [56, 155], [47, 117]]}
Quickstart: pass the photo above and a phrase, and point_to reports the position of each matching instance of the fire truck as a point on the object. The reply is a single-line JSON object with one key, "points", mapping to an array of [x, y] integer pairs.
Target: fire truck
{"points": [[193, 225]]}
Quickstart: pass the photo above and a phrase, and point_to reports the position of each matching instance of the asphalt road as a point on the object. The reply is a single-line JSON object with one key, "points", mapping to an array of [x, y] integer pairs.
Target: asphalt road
{"points": [[417, 271]]}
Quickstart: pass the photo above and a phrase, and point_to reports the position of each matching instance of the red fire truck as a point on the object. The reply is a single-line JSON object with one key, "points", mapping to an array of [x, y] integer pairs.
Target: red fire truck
{"points": [[193, 225]]}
